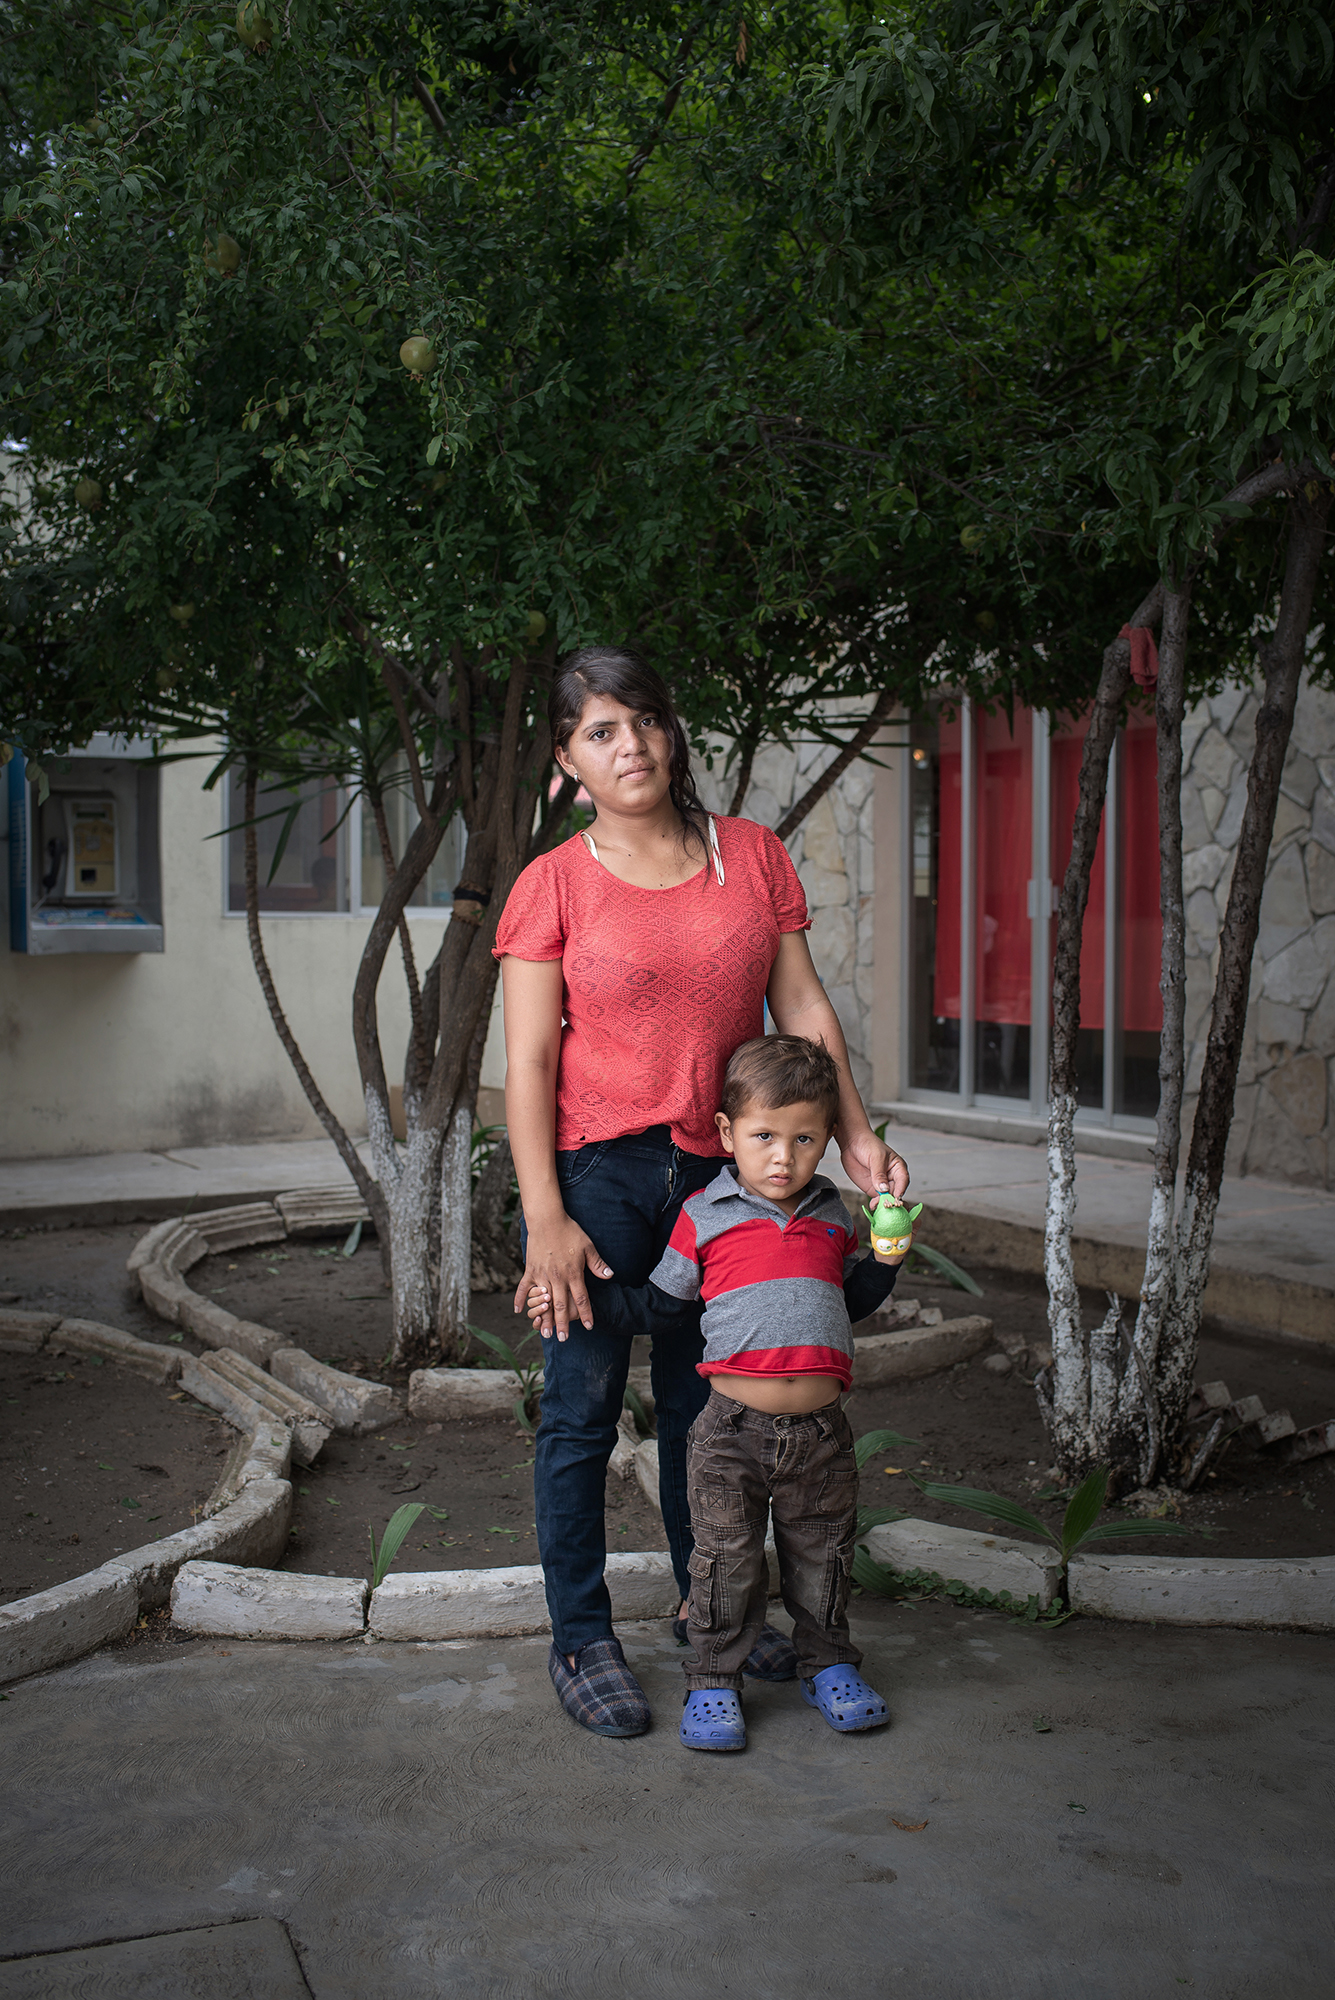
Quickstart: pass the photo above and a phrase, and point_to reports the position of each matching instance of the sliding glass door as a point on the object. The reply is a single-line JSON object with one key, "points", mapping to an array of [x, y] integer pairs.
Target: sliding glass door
{"points": [[990, 806]]}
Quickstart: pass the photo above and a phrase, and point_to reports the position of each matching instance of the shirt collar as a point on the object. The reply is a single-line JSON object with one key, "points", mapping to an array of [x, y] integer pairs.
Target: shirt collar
{"points": [[725, 1185]]}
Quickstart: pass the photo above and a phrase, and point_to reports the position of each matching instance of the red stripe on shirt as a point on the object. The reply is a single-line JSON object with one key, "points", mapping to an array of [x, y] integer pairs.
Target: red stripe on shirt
{"points": [[759, 1253], [784, 1361]]}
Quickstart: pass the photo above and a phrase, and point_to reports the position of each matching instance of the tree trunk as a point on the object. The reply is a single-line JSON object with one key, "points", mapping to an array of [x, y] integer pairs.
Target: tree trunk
{"points": [[861, 740], [497, 775], [1138, 1406], [495, 1267], [1281, 660], [1065, 1398], [368, 1189]]}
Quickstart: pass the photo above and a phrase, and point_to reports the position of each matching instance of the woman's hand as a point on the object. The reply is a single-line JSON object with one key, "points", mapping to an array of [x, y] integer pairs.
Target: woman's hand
{"points": [[557, 1257], [872, 1166]]}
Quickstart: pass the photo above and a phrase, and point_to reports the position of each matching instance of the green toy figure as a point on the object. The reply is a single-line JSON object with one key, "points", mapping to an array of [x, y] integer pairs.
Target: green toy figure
{"points": [[891, 1227]]}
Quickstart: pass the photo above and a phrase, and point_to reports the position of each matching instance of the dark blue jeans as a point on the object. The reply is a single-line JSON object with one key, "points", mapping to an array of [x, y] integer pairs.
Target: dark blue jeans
{"points": [[626, 1193]]}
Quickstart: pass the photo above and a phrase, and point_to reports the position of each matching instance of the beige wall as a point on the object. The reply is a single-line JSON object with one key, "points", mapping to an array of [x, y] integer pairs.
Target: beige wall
{"points": [[144, 1051]]}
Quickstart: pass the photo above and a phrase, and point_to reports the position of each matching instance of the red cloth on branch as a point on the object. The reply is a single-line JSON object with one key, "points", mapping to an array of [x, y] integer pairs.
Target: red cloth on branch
{"points": [[1144, 654]]}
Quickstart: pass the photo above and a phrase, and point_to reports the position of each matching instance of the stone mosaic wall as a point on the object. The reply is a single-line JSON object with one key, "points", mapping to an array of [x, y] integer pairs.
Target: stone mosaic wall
{"points": [[833, 851], [1282, 1126]]}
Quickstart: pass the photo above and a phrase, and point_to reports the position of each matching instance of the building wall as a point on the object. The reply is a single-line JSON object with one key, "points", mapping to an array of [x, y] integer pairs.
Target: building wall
{"points": [[834, 853], [148, 1052], [1283, 1125]]}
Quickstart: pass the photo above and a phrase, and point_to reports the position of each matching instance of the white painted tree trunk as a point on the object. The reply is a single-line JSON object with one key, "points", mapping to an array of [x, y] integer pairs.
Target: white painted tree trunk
{"points": [[1070, 1369], [408, 1178], [456, 1233]]}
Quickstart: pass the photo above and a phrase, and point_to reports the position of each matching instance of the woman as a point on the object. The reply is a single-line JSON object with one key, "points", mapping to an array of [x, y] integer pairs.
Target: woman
{"points": [[635, 958]]}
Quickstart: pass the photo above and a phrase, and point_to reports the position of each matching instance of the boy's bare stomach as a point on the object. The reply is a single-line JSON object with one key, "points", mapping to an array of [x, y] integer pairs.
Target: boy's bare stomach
{"points": [[779, 1395]]}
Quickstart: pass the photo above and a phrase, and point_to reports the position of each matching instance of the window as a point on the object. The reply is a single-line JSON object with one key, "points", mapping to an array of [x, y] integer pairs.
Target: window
{"points": [[331, 861], [991, 803], [311, 876]]}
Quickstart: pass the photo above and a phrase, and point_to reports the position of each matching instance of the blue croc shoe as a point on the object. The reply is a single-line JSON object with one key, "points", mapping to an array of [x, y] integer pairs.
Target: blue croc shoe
{"points": [[712, 1720], [845, 1699]]}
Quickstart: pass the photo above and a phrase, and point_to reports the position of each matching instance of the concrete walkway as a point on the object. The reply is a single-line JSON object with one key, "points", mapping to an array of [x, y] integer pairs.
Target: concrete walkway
{"points": [[1274, 1246], [1098, 1812]]}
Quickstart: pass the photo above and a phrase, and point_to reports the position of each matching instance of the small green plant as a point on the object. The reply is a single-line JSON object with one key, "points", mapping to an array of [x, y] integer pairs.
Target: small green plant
{"points": [[396, 1533], [945, 1267], [529, 1372], [915, 1584], [1080, 1523], [634, 1402], [871, 1446]]}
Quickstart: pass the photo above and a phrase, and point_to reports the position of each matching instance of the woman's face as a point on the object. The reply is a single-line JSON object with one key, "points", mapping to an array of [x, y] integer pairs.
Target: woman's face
{"points": [[620, 755]]}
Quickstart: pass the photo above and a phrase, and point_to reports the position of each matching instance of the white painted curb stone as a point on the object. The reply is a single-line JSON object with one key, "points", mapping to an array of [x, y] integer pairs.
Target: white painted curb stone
{"points": [[70, 1619], [352, 1406], [506, 1603], [252, 1530], [902, 1357], [88, 1336], [440, 1394], [263, 1453], [1204, 1590], [227, 1601], [961, 1555], [646, 1470], [25, 1332], [461, 1604]]}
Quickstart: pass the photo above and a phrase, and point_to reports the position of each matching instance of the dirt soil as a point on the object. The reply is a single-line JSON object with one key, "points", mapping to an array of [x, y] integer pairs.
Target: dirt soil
{"points": [[84, 1475]]}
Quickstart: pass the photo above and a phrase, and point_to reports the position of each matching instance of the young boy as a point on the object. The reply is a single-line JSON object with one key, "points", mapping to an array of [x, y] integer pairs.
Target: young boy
{"points": [[771, 1249]]}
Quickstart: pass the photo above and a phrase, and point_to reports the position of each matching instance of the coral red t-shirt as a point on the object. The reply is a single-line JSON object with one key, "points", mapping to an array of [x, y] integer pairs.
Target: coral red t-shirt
{"points": [[659, 986]]}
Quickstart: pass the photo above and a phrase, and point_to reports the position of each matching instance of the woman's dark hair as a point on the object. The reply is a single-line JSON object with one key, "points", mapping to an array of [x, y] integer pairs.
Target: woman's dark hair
{"points": [[621, 675]]}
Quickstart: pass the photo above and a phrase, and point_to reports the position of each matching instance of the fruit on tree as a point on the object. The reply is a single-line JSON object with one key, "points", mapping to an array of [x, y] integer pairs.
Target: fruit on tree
{"points": [[182, 613], [251, 27], [88, 493], [537, 625], [418, 355], [973, 536], [223, 254]]}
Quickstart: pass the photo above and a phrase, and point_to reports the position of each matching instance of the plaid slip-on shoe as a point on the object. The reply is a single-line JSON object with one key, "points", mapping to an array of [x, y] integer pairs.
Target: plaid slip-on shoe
{"points": [[600, 1691], [771, 1658]]}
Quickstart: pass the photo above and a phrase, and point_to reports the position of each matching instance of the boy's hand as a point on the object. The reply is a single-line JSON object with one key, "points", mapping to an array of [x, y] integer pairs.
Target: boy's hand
{"points": [[539, 1308]]}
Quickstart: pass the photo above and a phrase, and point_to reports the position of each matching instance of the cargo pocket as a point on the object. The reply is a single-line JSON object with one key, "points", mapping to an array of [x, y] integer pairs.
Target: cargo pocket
{"points": [[834, 1594], [702, 1605]]}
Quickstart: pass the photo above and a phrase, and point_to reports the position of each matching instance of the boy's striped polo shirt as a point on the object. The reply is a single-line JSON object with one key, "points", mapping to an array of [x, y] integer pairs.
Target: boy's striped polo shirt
{"points": [[781, 1292]]}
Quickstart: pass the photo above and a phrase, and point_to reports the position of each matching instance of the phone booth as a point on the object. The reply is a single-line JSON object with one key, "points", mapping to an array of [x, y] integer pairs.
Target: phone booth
{"points": [[85, 869]]}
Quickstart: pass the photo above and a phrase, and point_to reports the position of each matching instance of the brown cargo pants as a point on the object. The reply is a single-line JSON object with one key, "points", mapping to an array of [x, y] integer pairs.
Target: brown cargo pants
{"points": [[742, 1468]]}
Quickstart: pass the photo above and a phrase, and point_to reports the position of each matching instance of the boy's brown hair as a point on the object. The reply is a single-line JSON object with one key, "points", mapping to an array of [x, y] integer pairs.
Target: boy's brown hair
{"points": [[776, 1070]]}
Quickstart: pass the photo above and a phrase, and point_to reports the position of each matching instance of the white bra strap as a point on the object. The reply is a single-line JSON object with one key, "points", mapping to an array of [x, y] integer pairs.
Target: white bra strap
{"points": [[718, 858], [713, 848]]}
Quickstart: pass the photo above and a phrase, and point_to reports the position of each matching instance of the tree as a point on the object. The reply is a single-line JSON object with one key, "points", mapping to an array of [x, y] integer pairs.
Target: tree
{"points": [[352, 569], [1196, 449]]}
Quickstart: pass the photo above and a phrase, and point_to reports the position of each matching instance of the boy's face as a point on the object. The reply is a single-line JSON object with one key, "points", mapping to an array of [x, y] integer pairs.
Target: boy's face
{"points": [[777, 1151]]}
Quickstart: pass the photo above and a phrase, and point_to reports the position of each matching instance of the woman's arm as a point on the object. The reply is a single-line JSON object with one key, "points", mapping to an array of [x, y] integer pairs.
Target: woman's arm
{"points": [[558, 1248], [800, 1006]]}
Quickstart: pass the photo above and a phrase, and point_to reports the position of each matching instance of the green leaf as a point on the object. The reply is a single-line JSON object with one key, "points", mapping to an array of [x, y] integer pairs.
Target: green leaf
{"points": [[878, 1517], [993, 1505], [1111, 1531], [522, 1417], [396, 1530], [1083, 1510], [632, 1400], [872, 1576], [948, 1269], [354, 1238], [496, 1344], [875, 1442]]}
